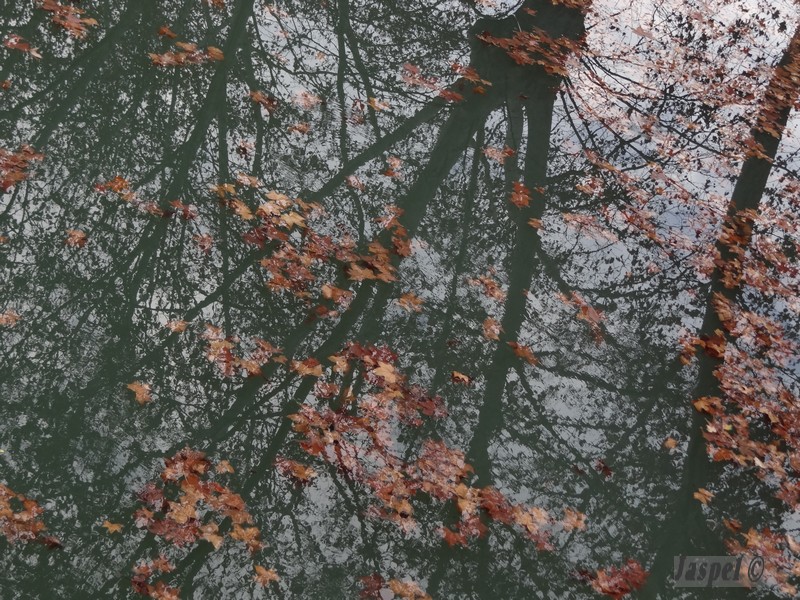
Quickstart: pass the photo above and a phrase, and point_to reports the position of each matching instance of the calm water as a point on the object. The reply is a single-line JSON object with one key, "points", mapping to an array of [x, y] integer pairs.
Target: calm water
{"points": [[93, 318]]}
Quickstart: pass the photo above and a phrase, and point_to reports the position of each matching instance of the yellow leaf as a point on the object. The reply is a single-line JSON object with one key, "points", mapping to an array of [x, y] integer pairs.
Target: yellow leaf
{"points": [[177, 326], [573, 519], [75, 238], [386, 371], [265, 576], [491, 329], [112, 527], [224, 466], [214, 53], [141, 390], [410, 302], [703, 495], [9, 318], [457, 377]]}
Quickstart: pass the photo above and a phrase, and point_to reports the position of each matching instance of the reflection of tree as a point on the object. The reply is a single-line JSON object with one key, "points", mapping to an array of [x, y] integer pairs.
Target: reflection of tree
{"points": [[687, 531], [96, 316]]}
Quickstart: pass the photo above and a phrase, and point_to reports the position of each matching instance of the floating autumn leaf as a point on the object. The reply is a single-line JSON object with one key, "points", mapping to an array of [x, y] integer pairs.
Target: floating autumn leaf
{"points": [[620, 581], [573, 519], [457, 377], [593, 317], [177, 326], [112, 527], [292, 219], [498, 155], [14, 166], [491, 288], [520, 195], [270, 103], [223, 466], [264, 576], [118, 185], [205, 242], [159, 591], [393, 168], [249, 536], [301, 473], [16, 42], [338, 295], [413, 76], [642, 32], [187, 54], [141, 391], [355, 183], [451, 95], [371, 586], [326, 389], [709, 404], [733, 525], [602, 468], [469, 73], [492, 329], [340, 363], [165, 31], [301, 128], [247, 180], [215, 53], [306, 100], [378, 105], [185, 494], [670, 443], [703, 495], [409, 590], [69, 18], [19, 519], [524, 352], [410, 302], [75, 238], [9, 318], [241, 209], [309, 367], [387, 372], [715, 344], [143, 572]]}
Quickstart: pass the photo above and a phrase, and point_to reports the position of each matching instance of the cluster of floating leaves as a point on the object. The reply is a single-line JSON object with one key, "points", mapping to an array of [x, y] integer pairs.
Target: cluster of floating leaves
{"points": [[536, 47], [357, 440], [14, 166], [189, 505], [20, 519], [616, 582], [187, 53], [356, 435], [69, 17]]}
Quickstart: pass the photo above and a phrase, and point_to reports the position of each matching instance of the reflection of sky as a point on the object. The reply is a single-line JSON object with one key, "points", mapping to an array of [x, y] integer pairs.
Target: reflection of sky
{"points": [[92, 319]]}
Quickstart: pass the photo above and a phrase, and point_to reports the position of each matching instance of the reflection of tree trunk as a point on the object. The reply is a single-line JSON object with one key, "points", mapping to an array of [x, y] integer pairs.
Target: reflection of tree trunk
{"points": [[687, 531], [538, 88], [522, 263]]}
